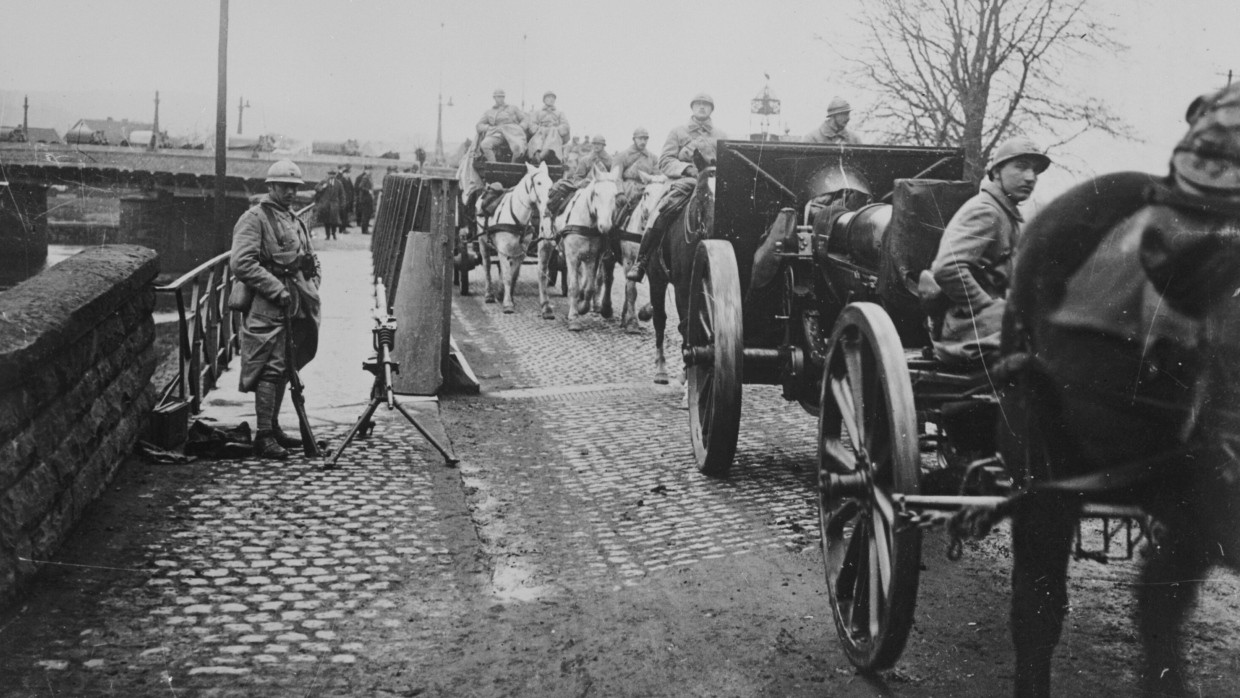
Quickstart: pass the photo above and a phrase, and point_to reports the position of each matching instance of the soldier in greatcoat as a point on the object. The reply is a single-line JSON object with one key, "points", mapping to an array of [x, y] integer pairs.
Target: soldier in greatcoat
{"points": [[364, 190], [633, 161], [272, 256], [676, 161], [501, 123], [549, 131], [329, 198], [835, 128]]}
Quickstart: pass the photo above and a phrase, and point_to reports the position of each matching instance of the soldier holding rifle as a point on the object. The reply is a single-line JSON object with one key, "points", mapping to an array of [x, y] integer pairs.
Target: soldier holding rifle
{"points": [[272, 256]]}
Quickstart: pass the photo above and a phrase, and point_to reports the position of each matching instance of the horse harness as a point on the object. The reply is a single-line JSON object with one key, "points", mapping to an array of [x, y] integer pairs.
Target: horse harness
{"points": [[510, 197], [588, 231]]}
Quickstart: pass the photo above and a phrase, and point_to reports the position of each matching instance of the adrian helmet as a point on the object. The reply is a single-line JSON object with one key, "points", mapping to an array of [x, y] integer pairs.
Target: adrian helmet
{"points": [[702, 97], [641, 132], [285, 171], [1017, 147], [599, 140], [835, 178], [498, 93], [838, 105], [548, 93], [1209, 154]]}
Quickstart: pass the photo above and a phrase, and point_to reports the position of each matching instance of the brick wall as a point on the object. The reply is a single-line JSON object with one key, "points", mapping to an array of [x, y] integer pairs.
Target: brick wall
{"points": [[76, 358]]}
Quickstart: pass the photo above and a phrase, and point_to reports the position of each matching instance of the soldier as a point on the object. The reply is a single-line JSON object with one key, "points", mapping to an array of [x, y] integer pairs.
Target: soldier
{"points": [[574, 180], [272, 256], [633, 161], [676, 161], [549, 131], [834, 130], [501, 123], [974, 261], [328, 203], [349, 198], [364, 190]]}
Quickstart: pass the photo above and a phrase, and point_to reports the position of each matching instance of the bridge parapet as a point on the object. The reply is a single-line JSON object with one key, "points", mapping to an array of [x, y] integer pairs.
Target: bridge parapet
{"points": [[76, 358]]}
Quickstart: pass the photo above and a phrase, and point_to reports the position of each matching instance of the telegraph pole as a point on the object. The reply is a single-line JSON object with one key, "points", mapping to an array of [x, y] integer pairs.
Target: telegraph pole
{"points": [[26, 116], [221, 123], [241, 105], [154, 144]]}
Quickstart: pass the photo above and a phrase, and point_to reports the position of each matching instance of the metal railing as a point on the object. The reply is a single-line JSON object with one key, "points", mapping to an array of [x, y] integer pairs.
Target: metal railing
{"points": [[206, 330]]}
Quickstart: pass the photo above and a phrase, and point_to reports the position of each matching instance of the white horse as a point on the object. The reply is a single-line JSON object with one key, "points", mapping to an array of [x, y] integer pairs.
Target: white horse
{"points": [[655, 186], [510, 232], [581, 231]]}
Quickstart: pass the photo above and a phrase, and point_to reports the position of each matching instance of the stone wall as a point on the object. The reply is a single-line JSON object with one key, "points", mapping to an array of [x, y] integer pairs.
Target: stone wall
{"points": [[76, 358]]}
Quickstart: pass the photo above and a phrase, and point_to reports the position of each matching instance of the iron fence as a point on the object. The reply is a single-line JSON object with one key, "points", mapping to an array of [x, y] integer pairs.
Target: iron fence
{"points": [[206, 331]]}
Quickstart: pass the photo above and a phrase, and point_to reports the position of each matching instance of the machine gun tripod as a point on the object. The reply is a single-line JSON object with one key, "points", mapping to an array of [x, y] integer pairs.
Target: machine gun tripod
{"points": [[382, 366]]}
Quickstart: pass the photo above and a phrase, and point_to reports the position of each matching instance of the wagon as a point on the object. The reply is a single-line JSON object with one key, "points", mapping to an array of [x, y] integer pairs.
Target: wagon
{"points": [[842, 331]]}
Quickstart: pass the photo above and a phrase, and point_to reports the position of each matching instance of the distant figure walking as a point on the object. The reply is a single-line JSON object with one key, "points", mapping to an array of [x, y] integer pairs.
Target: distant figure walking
{"points": [[364, 190], [329, 200]]}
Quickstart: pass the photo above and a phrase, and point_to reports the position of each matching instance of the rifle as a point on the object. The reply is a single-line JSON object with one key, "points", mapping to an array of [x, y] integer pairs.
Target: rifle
{"points": [[308, 445]]}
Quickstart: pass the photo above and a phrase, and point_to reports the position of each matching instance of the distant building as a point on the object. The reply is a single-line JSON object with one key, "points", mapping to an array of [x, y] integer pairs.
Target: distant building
{"points": [[106, 131], [15, 134]]}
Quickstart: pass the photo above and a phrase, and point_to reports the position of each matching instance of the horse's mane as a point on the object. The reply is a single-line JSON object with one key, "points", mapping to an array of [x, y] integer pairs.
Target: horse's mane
{"points": [[1059, 241]]}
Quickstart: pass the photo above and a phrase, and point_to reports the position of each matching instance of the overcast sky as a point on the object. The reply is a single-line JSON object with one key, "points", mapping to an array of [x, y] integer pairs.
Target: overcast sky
{"points": [[372, 69]]}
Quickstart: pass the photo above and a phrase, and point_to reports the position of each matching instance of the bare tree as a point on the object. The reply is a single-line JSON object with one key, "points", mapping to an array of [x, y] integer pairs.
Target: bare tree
{"points": [[973, 72]]}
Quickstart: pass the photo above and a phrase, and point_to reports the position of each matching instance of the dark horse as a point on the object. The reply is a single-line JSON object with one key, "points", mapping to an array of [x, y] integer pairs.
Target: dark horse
{"points": [[1122, 349], [674, 263]]}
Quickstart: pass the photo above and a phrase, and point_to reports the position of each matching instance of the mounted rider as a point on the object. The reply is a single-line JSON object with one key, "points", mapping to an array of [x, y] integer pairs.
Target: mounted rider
{"points": [[572, 181], [501, 123], [834, 129], [974, 261], [676, 161], [549, 131], [634, 162]]}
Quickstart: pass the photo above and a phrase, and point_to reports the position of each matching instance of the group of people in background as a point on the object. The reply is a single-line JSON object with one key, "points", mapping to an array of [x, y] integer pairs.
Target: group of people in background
{"points": [[338, 201]]}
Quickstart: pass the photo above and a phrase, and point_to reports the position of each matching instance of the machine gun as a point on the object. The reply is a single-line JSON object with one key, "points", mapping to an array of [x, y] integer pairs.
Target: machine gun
{"points": [[382, 367]]}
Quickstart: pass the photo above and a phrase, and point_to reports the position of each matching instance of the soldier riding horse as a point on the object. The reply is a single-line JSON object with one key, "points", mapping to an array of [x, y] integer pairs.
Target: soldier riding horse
{"points": [[582, 229], [510, 231]]}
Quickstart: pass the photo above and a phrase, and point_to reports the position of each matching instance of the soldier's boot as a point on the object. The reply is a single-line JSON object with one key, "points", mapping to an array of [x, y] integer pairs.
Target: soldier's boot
{"points": [[650, 242], [282, 438], [265, 395], [267, 448]]}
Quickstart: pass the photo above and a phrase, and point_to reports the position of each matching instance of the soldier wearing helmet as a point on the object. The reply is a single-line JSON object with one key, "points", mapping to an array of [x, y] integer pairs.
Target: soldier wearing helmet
{"points": [[548, 130], [273, 258], [634, 163], [834, 129], [676, 161], [974, 261], [501, 123], [596, 157]]}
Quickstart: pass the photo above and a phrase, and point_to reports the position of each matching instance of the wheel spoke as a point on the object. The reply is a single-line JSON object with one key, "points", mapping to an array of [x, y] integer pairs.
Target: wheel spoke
{"points": [[861, 563], [873, 583], [856, 382], [844, 399], [882, 551], [841, 518], [846, 582], [836, 451]]}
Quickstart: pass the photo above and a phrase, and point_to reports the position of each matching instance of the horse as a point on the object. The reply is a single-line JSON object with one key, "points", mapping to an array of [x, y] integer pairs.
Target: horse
{"points": [[674, 262], [1131, 400], [510, 231], [653, 189], [582, 230]]}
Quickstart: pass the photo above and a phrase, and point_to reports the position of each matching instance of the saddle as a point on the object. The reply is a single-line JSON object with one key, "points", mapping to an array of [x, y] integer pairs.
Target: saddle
{"points": [[489, 201]]}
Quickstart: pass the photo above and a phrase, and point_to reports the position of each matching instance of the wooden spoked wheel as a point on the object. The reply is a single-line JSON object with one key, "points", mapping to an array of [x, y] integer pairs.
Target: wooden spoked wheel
{"points": [[713, 353], [867, 451]]}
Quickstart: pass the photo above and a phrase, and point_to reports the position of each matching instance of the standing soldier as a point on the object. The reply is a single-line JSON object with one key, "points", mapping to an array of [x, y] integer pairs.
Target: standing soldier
{"points": [[349, 198], [364, 190], [501, 123], [272, 256], [328, 202], [834, 129], [548, 131], [633, 161], [676, 161]]}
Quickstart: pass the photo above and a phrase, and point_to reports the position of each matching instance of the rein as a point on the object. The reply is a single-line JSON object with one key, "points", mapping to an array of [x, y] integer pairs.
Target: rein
{"points": [[694, 232]]}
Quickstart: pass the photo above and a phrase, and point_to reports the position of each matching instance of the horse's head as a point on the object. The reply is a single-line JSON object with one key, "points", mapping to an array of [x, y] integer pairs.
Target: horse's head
{"points": [[540, 184], [602, 201]]}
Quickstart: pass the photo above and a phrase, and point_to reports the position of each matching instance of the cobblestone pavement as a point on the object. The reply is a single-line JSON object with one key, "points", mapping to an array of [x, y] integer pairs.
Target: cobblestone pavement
{"points": [[575, 551]]}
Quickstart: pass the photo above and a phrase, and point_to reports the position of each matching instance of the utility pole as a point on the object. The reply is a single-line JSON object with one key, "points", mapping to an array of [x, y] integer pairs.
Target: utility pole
{"points": [[439, 157], [154, 144], [221, 124], [26, 116], [241, 105]]}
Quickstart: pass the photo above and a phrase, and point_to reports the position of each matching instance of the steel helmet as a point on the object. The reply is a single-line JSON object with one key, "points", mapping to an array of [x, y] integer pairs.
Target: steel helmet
{"points": [[498, 93], [1209, 154], [285, 171], [838, 105], [599, 140], [702, 97], [834, 178], [548, 93], [1016, 147], [641, 131]]}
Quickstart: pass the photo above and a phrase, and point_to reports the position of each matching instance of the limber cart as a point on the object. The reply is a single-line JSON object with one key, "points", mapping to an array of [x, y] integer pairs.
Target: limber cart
{"points": [[843, 333]]}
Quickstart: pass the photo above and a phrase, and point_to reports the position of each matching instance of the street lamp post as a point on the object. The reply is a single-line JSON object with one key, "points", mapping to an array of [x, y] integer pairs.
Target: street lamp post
{"points": [[242, 103]]}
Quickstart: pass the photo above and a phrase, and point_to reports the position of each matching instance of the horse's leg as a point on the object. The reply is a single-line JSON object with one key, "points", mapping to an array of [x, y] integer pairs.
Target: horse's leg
{"points": [[658, 299], [515, 256], [628, 313], [1042, 528], [485, 252], [603, 274], [1170, 580], [546, 253], [572, 276]]}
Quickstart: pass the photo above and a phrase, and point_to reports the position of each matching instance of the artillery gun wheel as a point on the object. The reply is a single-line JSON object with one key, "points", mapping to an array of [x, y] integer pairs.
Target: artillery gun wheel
{"points": [[714, 339], [867, 452]]}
